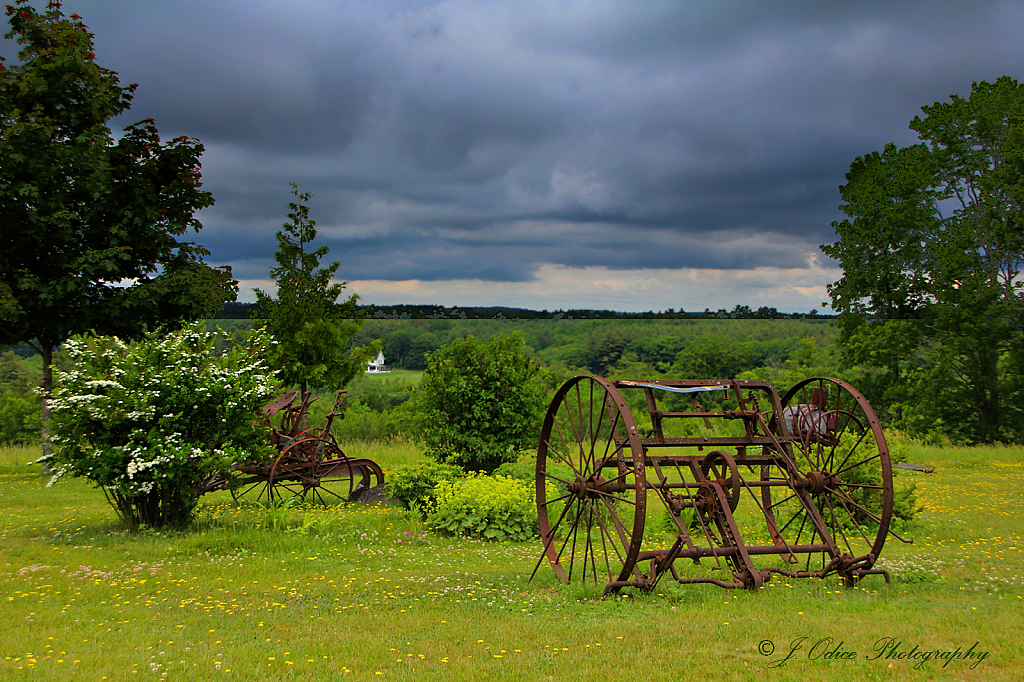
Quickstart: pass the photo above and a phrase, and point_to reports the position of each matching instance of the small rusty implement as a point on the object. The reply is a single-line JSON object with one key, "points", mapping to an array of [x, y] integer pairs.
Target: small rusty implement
{"points": [[309, 462], [754, 484]]}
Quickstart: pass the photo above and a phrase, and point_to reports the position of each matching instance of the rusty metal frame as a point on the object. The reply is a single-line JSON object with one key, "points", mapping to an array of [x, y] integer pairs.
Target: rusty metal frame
{"points": [[589, 430], [310, 464]]}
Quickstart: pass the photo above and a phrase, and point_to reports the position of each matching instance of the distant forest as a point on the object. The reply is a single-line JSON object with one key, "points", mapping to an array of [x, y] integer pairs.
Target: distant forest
{"points": [[781, 350], [235, 311], [694, 348]]}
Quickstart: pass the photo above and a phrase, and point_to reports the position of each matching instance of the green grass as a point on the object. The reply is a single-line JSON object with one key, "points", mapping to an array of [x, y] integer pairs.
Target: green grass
{"points": [[404, 377], [373, 595], [390, 453], [18, 455], [408, 376]]}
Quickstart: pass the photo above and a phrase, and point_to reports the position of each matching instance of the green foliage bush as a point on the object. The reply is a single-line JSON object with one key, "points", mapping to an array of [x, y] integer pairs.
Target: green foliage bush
{"points": [[19, 417], [480, 403], [20, 401], [904, 501], [413, 484], [524, 469], [382, 393], [490, 508], [362, 423], [152, 422]]}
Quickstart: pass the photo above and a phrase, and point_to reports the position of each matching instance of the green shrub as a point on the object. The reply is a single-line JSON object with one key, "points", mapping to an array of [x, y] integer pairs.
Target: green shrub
{"points": [[20, 401], [480, 403], [491, 508], [904, 502], [154, 421], [363, 423], [523, 470], [19, 417], [413, 484], [869, 475]]}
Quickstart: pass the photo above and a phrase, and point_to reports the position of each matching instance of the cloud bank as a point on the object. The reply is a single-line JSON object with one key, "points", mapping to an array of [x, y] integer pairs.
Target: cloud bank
{"points": [[625, 155]]}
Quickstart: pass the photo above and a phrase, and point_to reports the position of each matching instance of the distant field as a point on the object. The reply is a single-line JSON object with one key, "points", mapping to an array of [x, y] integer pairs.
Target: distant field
{"points": [[406, 376], [378, 597]]}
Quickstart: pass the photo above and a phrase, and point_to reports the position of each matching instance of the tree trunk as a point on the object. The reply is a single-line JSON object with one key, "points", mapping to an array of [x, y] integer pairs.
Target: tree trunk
{"points": [[990, 416], [46, 351], [303, 422]]}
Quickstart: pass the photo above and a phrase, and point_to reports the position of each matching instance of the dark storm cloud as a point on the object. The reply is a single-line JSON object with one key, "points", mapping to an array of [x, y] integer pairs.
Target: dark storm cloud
{"points": [[448, 140]]}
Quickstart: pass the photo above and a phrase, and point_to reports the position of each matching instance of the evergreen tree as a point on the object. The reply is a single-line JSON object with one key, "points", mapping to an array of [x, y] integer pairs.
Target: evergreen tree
{"points": [[311, 328]]}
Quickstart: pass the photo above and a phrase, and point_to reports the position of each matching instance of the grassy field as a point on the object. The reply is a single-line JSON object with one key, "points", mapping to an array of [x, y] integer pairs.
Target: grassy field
{"points": [[365, 593]]}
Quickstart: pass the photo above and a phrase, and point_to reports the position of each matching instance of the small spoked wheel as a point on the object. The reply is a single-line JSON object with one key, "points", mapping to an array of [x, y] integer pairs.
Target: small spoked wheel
{"points": [[318, 470], [591, 490], [281, 479], [720, 467], [842, 462]]}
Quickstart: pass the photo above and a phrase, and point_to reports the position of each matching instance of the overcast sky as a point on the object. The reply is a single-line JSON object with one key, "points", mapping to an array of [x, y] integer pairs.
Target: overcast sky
{"points": [[622, 155]]}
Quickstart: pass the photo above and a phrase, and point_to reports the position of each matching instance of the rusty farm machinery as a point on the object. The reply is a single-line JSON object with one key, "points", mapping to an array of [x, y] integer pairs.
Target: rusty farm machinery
{"points": [[756, 484], [309, 463]]}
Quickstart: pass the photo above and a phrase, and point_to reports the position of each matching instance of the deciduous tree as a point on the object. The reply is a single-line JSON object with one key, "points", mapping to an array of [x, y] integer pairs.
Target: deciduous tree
{"points": [[931, 251], [89, 224]]}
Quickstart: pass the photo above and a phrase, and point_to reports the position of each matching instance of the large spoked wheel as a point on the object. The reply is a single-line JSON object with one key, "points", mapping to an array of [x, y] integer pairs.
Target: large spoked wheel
{"points": [[591, 490], [842, 461]]}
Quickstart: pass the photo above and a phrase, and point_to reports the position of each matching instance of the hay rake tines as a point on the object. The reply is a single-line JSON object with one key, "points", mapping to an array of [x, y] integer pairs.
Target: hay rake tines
{"points": [[755, 484]]}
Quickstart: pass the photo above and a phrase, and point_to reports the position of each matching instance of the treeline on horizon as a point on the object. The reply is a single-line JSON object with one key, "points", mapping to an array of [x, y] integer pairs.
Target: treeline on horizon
{"points": [[781, 351], [237, 311], [694, 348], [778, 350]]}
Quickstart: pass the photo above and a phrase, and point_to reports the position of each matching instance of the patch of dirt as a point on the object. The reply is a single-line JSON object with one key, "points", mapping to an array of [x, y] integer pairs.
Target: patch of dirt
{"points": [[376, 495]]}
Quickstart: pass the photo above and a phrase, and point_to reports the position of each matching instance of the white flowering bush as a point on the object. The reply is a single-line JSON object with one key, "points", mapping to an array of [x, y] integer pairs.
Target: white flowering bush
{"points": [[153, 422]]}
